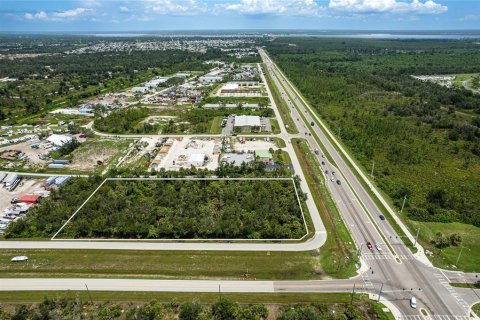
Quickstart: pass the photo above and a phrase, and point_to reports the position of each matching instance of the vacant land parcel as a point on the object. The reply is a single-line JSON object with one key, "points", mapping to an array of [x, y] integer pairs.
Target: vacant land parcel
{"points": [[190, 209]]}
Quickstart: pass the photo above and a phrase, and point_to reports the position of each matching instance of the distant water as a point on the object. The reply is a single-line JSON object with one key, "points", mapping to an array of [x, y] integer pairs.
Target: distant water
{"points": [[399, 36]]}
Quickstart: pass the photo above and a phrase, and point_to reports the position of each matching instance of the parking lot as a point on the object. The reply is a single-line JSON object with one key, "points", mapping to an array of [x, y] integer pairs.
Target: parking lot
{"points": [[245, 145]]}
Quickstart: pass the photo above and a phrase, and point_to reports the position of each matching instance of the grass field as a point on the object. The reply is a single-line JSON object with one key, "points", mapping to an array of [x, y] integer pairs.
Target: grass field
{"points": [[476, 309], [160, 264], [204, 298], [337, 254], [216, 127], [469, 260]]}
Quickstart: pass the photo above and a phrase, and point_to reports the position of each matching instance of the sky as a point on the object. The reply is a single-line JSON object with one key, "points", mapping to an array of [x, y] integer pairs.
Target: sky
{"points": [[157, 15]]}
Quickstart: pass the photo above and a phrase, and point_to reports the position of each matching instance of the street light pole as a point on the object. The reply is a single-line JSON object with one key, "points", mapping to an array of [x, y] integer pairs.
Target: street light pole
{"points": [[381, 288], [416, 238], [403, 204], [458, 258]]}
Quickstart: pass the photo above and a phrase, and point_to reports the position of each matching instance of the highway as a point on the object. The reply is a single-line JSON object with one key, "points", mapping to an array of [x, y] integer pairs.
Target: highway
{"points": [[399, 274]]}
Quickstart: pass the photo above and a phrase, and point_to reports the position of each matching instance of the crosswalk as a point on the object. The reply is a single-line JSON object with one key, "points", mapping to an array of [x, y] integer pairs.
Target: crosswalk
{"points": [[380, 256], [366, 280], [444, 282], [434, 317]]}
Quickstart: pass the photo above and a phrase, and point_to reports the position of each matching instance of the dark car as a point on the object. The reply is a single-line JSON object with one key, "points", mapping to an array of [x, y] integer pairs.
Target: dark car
{"points": [[339, 182], [312, 123], [381, 217]]}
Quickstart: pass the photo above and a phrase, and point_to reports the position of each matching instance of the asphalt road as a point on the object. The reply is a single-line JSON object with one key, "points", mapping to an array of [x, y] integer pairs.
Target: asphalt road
{"points": [[399, 274]]}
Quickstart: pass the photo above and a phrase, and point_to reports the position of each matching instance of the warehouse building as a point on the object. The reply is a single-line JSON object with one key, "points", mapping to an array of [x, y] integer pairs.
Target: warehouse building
{"points": [[247, 124], [59, 140]]}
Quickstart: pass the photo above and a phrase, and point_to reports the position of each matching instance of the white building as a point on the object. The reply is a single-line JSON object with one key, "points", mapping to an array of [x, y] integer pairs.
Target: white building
{"points": [[247, 123], [139, 89], [196, 160], [155, 82], [59, 140], [210, 79]]}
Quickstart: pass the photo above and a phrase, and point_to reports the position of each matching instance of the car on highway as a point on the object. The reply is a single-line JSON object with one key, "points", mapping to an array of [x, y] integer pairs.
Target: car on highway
{"points": [[312, 123], [382, 217], [323, 163], [369, 246], [317, 152], [339, 182], [332, 179], [378, 247]]}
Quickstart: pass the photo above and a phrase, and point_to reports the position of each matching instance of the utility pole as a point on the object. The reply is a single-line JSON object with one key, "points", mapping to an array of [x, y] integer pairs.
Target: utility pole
{"points": [[458, 258], [88, 291], [360, 250], [416, 237], [353, 293], [403, 204], [373, 166], [381, 288]]}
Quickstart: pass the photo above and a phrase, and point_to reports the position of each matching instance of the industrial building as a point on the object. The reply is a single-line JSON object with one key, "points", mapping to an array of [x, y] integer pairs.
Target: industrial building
{"points": [[247, 124], [237, 158], [59, 140]]}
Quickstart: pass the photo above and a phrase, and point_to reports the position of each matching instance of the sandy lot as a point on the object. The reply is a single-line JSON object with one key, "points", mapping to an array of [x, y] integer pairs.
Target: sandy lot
{"points": [[181, 150], [32, 154], [86, 157]]}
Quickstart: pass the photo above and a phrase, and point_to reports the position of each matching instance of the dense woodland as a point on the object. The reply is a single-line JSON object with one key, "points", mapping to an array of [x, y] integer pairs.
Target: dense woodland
{"points": [[423, 138], [222, 309], [168, 209], [197, 120]]}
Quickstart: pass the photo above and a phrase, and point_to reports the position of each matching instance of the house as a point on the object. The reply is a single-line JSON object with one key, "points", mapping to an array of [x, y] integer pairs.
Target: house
{"points": [[263, 156], [59, 140], [247, 123]]}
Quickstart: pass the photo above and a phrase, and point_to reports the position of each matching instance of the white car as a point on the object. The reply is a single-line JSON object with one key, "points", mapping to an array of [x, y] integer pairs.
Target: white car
{"points": [[378, 247], [332, 179]]}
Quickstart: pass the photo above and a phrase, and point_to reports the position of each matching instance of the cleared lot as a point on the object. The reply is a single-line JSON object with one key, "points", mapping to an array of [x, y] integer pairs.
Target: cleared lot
{"points": [[188, 152]]}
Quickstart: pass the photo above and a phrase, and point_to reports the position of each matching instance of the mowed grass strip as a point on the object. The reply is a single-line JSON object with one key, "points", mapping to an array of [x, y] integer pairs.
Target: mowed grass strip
{"points": [[159, 264], [9, 297], [337, 257]]}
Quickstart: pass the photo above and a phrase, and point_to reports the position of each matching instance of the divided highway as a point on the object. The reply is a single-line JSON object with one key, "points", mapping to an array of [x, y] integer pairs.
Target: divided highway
{"points": [[397, 273]]}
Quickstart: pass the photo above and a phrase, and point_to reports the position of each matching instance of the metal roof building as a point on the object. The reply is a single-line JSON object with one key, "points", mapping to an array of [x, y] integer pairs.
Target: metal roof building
{"points": [[58, 139], [247, 121]]}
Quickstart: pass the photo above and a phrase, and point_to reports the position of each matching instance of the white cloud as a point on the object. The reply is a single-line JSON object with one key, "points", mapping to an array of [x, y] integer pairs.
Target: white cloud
{"points": [[277, 7], [59, 15], [42, 15], [175, 7], [386, 6], [70, 14], [124, 9]]}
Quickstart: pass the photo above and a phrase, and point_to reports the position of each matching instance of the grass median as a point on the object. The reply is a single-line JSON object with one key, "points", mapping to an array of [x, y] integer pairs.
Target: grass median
{"points": [[337, 256]]}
